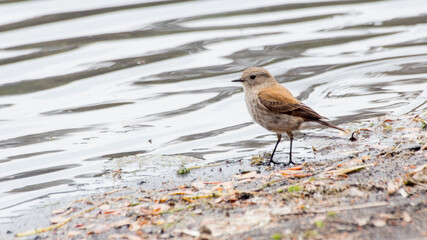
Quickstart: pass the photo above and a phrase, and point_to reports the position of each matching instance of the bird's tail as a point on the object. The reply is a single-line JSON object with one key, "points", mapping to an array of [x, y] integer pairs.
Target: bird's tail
{"points": [[330, 125]]}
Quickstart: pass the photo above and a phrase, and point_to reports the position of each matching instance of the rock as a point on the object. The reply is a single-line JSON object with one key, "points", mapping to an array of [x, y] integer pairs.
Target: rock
{"points": [[354, 192]]}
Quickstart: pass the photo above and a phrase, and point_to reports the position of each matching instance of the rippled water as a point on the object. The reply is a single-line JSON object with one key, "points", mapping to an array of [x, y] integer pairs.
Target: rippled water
{"points": [[84, 81]]}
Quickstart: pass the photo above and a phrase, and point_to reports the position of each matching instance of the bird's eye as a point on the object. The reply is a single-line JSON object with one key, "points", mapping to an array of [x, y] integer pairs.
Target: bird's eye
{"points": [[252, 76]]}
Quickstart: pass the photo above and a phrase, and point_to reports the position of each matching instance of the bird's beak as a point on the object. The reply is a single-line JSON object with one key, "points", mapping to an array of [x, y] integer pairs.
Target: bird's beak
{"points": [[238, 80]]}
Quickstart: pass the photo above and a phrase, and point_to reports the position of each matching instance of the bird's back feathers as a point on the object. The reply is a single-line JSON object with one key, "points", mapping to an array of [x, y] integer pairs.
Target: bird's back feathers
{"points": [[279, 100]]}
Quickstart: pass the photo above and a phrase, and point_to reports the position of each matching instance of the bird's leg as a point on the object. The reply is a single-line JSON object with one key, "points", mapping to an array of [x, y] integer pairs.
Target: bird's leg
{"points": [[279, 137], [291, 138]]}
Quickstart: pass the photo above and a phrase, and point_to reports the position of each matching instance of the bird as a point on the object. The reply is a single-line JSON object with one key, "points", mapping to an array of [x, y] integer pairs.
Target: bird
{"points": [[273, 107]]}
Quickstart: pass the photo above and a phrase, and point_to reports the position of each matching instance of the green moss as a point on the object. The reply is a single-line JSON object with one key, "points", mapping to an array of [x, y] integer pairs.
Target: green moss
{"points": [[311, 234], [257, 160], [276, 236], [331, 214], [319, 224], [387, 127], [134, 204], [294, 188], [183, 171]]}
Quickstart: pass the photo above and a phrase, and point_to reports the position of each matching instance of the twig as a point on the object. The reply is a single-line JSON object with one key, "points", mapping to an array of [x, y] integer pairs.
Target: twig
{"points": [[341, 209], [203, 166], [58, 225]]}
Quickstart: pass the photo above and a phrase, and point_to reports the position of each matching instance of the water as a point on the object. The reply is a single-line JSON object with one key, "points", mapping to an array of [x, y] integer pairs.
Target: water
{"points": [[83, 82]]}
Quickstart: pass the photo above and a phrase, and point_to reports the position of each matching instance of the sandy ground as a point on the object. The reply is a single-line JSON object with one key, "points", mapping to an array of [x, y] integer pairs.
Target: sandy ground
{"points": [[372, 186]]}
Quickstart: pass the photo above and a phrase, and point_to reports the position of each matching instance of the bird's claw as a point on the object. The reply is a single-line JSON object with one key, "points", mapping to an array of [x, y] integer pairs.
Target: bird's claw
{"points": [[271, 161], [284, 164]]}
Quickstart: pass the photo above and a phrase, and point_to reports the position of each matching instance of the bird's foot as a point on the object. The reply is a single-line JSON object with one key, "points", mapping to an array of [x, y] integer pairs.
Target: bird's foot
{"points": [[290, 162], [287, 164], [271, 161]]}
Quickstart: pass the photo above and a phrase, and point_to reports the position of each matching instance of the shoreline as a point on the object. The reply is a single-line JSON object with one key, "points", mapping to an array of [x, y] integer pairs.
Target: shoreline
{"points": [[373, 187]]}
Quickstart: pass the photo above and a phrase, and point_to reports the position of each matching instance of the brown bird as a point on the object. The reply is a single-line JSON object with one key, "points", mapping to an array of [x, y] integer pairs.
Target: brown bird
{"points": [[273, 107]]}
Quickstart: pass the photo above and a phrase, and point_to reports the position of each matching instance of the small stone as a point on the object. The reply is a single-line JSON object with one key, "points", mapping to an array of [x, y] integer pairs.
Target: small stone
{"points": [[403, 193], [192, 233], [379, 222], [354, 192], [406, 217], [362, 221], [205, 230], [392, 187]]}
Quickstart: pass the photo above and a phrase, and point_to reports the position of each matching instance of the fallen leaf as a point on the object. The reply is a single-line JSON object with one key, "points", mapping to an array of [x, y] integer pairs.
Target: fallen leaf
{"points": [[297, 167], [349, 170], [252, 174], [197, 211], [160, 207], [213, 182], [58, 219], [192, 233], [101, 228], [188, 199], [73, 233], [302, 175], [289, 172], [181, 193], [122, 222], [134, 226], [58, 211], [198, 185], [104, 207], [393, 186], [111, 212], [227, 185], [362, 221]]}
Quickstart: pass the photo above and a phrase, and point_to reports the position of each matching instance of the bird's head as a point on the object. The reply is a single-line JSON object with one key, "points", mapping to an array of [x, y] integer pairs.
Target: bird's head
{"points": [[256, 78]]}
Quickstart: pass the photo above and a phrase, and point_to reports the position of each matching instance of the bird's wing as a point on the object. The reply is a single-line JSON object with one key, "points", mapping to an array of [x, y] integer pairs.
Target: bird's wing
{"points": [[280, 100]]}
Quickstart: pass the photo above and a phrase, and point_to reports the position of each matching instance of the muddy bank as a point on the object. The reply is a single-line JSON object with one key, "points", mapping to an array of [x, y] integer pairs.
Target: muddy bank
{"points": [[370, 187]]}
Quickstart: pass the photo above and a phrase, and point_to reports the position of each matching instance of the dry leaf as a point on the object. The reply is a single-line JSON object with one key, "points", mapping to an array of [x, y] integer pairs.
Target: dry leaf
{"points": [[105, 207], [58, 211], [134, 226], [58, 219], [362, 221], [197, 211], [122, 222], [160, 207], [73, 233], [248, 175], [349, 170], [198, 185], [393, 186], [192, 233], [289, 172], [101, 228]]}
